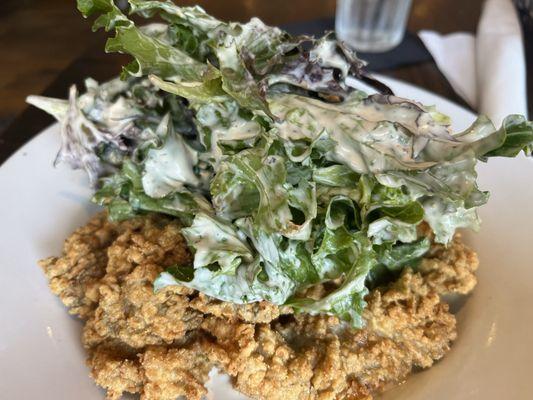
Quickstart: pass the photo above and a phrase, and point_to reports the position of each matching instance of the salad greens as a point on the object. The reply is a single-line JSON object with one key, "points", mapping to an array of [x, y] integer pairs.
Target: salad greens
{"points": [[283, 175]]}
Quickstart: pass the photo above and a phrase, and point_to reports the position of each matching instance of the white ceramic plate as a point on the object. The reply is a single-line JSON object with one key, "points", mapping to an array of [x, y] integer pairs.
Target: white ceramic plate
{"points": [[41, 356]]}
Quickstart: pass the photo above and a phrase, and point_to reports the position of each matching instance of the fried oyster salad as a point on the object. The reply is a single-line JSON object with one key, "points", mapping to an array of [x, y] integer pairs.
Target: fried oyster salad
{"points": [[263, 217]]}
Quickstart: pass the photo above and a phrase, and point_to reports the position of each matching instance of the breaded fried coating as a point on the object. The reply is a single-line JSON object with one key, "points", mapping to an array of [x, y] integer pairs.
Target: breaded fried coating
{"points": [[75, 277], [319, 357], [450, 269], [115, 371], [173, 372], [261, 312], [163, 345]]}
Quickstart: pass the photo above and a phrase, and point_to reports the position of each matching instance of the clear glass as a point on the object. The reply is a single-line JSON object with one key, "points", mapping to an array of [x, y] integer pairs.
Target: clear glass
{"points": [[372, 25]]}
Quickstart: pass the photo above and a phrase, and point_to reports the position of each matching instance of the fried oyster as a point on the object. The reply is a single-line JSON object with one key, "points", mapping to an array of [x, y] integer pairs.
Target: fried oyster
{"points": [[163, 345]]}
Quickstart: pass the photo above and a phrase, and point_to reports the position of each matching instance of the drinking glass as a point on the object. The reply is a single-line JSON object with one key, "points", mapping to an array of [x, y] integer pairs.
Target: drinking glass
{"points": [[371, 25]]}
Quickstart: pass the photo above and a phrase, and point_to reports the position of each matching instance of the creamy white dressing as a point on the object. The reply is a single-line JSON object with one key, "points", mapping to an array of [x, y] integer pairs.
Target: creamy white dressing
{"points": [[155, 29], [228, 57], [170, 167], [365, 133], [118, 116], [105, 91], [299, 76], [226, 125], [211, 236], [195, 16], [58, 108], [239, 130], [386, 230], [444, 218], [326, 53], [406, 113]]}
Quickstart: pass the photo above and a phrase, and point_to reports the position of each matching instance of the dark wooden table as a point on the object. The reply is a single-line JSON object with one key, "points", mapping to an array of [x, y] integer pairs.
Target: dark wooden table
{"points": [[45, 46]]}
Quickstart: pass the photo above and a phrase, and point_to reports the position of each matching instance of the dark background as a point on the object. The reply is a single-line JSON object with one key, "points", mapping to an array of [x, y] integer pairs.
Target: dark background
{"points": [[45, 45]]}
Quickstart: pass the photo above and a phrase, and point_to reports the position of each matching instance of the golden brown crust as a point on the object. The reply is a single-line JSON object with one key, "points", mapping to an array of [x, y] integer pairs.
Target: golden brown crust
{"points": [[261, 312], [115, 371], [163, 345], [75, 276], [318, 357], [128, 310], [450, 269], [173, 372]]}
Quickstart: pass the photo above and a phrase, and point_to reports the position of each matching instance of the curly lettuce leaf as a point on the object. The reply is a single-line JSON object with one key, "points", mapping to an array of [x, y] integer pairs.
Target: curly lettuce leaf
{"points": [[153, 56], [517, 133], [123, 194], [110, 17], [225, 129], [391, 230], [170, 167], [217, 244], [197, 57], [445, 218], [336, 254], [336, 176], [395, 257], [112, 122], [261, 179], [347, 301]]}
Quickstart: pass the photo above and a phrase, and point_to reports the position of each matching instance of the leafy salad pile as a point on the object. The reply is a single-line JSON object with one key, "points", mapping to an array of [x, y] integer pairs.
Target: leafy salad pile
{"points": [[283, 175]]}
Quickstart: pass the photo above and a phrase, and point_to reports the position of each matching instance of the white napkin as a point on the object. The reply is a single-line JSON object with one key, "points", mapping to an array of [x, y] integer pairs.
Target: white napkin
{"points": [[488, 70]]}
